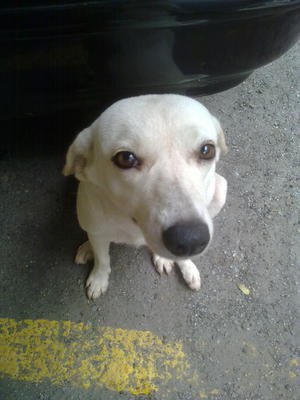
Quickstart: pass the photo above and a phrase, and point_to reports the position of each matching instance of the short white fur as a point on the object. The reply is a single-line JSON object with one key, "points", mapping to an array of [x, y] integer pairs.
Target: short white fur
{"points": [[134, 206]]}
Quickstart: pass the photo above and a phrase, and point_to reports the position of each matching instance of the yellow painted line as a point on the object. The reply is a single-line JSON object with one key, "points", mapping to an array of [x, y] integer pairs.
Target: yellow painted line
{"points": [[64, 352], [138, 362]]}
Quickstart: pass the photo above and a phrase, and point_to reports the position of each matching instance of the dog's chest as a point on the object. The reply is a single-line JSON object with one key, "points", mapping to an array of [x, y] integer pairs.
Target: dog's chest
{"points": [[129, 233]]}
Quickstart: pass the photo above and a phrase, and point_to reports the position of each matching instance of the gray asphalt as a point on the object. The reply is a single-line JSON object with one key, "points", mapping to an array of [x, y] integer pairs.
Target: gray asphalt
{"points": [[238, 346]]}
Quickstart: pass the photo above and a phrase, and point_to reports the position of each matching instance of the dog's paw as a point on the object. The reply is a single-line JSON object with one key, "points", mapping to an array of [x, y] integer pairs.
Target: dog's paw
{"points": [[96, 284], [190, 274], [162, 264], [84, 253]]}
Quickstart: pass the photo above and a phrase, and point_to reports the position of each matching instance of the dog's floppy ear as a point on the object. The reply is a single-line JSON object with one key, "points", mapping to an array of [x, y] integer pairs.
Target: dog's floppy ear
{"points": [[78, 154], [219, 197], [221, 136]]}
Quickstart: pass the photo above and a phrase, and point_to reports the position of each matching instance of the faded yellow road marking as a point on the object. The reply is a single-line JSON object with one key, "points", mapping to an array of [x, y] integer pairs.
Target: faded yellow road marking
{"points": [[139, 362], [64, 352]]}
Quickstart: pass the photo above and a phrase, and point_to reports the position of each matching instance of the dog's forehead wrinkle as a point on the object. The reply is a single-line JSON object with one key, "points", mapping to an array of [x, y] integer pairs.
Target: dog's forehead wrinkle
{"points": [[130, 134], [151, 117]]}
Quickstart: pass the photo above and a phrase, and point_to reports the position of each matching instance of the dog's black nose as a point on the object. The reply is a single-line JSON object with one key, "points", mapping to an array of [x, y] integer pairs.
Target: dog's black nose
{"points": [[186, 238]]}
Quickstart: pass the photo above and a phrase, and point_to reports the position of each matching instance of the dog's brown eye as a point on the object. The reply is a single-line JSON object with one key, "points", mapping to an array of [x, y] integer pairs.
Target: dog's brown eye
{"points": [[207, 151], [125, 160]]}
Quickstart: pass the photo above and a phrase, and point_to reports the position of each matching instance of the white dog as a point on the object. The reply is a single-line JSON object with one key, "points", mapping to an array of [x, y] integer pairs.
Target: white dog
{"points": [[147, 176]]}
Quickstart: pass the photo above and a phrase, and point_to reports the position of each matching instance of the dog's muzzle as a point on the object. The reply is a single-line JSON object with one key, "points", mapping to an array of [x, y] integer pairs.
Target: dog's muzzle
{"points": [[186, 238]]}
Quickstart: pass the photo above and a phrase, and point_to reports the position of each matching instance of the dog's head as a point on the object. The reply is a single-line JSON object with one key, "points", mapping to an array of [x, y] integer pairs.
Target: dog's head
{"points": [[154, 158]]}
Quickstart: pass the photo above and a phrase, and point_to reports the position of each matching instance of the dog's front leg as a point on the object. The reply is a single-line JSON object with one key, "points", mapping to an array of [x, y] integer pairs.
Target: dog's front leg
{"points": [[188, 269], [190, 273], [97, 281], [162, 264]]}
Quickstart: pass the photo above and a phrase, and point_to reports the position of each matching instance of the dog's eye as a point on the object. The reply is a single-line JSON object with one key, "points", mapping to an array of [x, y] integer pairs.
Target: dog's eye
{"points": [[125, 160], [207, 151]]}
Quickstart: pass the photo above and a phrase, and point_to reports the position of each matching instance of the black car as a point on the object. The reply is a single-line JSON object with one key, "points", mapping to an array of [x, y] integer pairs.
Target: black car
{"points": [[73, 54]]}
